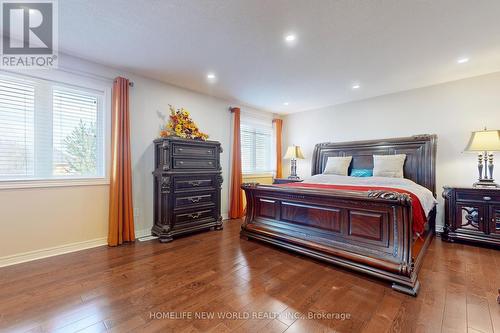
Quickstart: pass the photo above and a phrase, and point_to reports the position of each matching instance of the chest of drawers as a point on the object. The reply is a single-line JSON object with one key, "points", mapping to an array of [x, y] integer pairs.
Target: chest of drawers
{"points": [[187, 187]]}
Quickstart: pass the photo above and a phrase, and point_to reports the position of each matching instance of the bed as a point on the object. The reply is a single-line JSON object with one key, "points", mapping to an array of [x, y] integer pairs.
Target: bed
{"points": [[366, 226]]}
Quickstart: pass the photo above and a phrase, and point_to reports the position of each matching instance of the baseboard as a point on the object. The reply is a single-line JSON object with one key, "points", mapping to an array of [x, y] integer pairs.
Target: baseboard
{"points": [[51, 251], [67, 248], [142, 233]]}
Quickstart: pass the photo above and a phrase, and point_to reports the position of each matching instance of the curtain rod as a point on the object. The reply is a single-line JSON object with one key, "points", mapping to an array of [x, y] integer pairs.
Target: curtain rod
{"points": [[70, 71], [90, 75]]}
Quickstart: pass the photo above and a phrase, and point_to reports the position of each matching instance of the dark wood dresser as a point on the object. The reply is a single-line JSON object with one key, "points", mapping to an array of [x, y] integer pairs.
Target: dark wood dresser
{"points": [[472, 214], [187, 187]]}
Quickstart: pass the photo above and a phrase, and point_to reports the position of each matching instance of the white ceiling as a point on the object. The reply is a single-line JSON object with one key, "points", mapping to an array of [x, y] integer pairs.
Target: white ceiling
{"points": [[385, 45]]}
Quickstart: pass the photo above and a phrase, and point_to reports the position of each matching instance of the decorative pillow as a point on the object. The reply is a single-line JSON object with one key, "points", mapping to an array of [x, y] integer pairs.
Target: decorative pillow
{"points": [[361, 172], [337, 165], [388, 165]]}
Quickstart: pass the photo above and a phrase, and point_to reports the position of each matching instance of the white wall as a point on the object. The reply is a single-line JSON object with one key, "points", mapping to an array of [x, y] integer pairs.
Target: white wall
{"points": [[451, 110], [146, 99], [39, 218]]}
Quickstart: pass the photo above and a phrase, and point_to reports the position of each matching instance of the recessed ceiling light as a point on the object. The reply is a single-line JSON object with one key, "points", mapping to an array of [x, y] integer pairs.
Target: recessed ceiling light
{"points": [[290, 39], [211, 76], [462, 60], [286, 103], [356, 86]]}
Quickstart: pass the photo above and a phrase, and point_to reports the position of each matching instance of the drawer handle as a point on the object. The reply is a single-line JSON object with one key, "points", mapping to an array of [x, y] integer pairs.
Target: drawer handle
{"points": [[195, 199], [210, 163], [194, 216], [181, 162], [180, 149], [209, 152], [486, 198], [194, 183]]}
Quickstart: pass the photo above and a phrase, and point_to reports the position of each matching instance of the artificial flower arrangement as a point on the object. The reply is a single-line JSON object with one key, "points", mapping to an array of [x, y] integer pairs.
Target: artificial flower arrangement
{"points": [[180, 124]]}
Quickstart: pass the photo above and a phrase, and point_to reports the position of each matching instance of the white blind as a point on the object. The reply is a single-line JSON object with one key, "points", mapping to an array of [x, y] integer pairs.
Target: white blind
{"points": [[50, 130], [256, 148], [17, 109], [74, 133]]}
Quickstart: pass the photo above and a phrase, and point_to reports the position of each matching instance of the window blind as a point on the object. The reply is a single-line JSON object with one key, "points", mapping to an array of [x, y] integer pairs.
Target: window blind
{"points": [[17, 110], [75, 134], [50, 130], [256, 148]]}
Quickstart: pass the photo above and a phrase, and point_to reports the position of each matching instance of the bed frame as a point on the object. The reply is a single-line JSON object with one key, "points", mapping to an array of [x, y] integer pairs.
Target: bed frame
{"points": [[370, 232]]}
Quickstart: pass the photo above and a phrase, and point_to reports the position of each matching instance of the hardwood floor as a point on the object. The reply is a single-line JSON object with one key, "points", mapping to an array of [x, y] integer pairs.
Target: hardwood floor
{"points": [[247, 287]]}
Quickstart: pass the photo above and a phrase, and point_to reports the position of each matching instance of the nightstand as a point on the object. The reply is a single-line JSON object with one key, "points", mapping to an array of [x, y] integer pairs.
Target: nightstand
{"points": [[286, 180], [472, 214]]}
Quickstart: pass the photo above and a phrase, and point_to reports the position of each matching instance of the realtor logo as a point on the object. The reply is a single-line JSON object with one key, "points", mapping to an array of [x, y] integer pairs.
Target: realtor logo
{"points": [[29, 32]]}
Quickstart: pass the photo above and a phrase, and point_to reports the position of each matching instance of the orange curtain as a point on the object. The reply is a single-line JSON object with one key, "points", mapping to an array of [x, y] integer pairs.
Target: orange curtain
{"points": [[236, 209], [121, 216], [278, 127]]}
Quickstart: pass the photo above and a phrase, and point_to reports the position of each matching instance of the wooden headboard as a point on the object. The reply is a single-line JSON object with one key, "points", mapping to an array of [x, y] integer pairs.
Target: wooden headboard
{"points": [[420, 150]]}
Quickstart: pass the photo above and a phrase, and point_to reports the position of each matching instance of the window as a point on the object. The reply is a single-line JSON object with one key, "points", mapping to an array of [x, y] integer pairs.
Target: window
{"points": [[50, 130], [256, 148], [75, 143], [17, 111]]}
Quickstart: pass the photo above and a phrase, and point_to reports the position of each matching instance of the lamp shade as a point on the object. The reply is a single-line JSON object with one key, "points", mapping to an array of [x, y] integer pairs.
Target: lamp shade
{"points": [[294, 152], [487, 140]]}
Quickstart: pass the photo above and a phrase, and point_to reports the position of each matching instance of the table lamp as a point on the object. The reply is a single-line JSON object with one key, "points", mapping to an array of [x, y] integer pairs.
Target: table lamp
{"points": [[293, 153], [485, 142]]}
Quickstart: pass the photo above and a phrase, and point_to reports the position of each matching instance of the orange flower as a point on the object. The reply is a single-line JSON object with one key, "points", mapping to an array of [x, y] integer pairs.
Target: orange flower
{"points": [[164, 133]]}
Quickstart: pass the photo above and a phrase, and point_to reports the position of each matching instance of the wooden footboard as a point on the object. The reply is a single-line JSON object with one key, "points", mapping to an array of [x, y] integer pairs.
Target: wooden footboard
{"points": [[370, 232]]}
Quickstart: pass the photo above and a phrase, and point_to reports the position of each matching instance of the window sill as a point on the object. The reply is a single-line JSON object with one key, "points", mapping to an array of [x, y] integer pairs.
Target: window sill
{"points": [[47, 183], [258, 175]]}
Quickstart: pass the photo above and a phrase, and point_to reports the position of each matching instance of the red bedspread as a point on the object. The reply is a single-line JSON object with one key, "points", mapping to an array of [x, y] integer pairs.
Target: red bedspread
{"points": [[419, 218]]}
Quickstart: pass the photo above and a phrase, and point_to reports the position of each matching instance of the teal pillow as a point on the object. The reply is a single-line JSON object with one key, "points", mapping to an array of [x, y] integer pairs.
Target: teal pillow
{"points": [[361, 173]]}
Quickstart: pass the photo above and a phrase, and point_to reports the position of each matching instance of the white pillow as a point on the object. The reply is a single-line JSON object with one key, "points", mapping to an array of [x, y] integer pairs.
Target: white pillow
{"points": [[337, 165], [388, 165]]}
